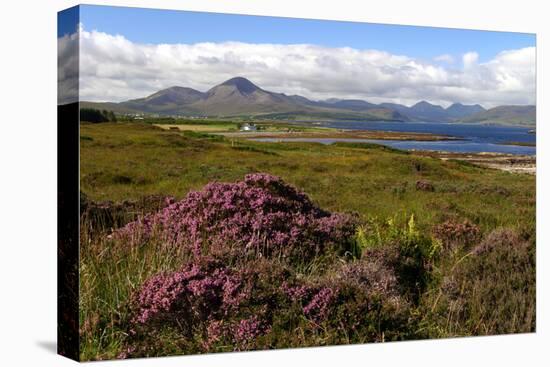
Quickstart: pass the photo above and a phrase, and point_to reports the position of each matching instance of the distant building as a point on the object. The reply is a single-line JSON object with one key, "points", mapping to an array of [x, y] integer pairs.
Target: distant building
{"points": [[249, 127]]}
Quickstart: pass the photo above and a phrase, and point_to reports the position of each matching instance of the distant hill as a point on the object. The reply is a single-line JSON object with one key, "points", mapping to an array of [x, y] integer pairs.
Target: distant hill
{"points": [[240, 97], [425, 111], [428, 112], [349, 104], [458, 110], [171, 96], [513, 115]]}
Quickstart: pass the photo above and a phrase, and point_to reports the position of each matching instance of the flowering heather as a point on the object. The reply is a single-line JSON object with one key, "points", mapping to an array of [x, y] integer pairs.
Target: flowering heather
{"points": [[261, 215], [357, 299], [191, 295], [247, 330], [318, 307], [501, 238], [315, 299], [453, 233]]}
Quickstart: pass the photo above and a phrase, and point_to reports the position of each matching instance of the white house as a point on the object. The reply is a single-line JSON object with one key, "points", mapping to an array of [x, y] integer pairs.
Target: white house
{"points": [[248, 127]]}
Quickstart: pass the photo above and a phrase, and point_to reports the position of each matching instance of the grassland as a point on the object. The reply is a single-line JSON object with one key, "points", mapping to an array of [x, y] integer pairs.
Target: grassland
{"points": [[199, 127], [229, 126], [129, 161]]}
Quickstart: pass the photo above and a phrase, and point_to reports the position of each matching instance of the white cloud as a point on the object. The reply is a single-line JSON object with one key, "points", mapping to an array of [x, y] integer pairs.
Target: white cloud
{"points": [[449, 59], [469, 59], [67, 69], [113, 68]]}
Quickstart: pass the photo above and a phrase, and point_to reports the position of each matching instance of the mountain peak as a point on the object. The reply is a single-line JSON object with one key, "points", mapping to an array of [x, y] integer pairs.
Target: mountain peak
{"points": [[243, 85], [174, 95], [423, 104], [239, 96], [459, 110]]}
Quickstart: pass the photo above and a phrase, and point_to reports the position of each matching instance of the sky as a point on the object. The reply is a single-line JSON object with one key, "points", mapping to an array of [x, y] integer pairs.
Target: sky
{"points": [[132, 52]]}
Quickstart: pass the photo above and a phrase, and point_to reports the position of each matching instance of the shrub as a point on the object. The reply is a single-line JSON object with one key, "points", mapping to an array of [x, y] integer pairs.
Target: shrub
{"points": [[490, 291], [355, 302], [423, 185], [404, 249], [501, 237], [369, 306], [95, 116], [204, 301], [260, 216], [213, 307], [454, 234], [198, 290]]}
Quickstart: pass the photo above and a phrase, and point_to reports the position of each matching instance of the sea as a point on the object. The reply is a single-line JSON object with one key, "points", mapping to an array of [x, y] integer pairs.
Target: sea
{"points": [[475, 138]]}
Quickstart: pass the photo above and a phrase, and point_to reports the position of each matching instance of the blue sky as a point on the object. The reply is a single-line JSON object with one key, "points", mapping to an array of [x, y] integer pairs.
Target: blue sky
{"points": [[164, 26], [129, 53], [67, 21]]}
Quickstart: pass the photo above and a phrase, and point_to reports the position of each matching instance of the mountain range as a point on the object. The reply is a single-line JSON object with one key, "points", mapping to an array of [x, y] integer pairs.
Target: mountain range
{"points": [[240, 97]]}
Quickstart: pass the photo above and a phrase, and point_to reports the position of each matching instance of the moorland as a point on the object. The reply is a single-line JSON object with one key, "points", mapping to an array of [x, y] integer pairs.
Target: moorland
{"points": [[194, 242]]}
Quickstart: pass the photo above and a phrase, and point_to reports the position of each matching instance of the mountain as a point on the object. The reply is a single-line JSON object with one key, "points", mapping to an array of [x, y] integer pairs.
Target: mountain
{"points": [[425, 111], [349, 104], [512, 115], [240, 97], [166, 99], [173, 95], [458, 110]]}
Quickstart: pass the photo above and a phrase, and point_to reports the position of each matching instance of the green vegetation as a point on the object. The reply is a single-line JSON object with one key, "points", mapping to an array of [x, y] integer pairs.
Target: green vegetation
{"points": [[376, 115], [369, 179], [506, 115], [462, 250], [95, 116]]}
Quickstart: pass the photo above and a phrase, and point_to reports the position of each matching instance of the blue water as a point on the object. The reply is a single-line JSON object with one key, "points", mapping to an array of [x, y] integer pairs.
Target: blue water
{"points": [[476, 138], [456, 146]]}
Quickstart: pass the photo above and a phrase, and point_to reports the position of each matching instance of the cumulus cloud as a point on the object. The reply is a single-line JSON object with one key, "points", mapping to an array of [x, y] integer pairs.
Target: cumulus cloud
{"points": [[469, 59], [112, 68], [67, 69], [449, 59]]}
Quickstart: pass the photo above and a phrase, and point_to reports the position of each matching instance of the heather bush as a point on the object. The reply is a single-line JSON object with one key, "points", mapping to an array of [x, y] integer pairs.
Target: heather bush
{"points": [[260, 216], [454, 234], [212, 307], [405, 249], [206, 302], [354, 302], [490, 290], [423, 185], [369, 305]]}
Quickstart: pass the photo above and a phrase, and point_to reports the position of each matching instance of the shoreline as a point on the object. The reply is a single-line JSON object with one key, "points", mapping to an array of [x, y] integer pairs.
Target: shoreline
{"points": [[521, 164], [515, 163], [342, 134]]}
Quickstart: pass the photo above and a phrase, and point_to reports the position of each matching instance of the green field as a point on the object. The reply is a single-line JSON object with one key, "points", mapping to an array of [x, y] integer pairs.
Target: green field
{"points": [[129, 161]]}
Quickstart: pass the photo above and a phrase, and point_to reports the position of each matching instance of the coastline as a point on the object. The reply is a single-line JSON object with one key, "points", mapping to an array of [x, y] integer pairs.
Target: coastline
{"points": [[522, 164], [330, 133], [514, 163]]}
